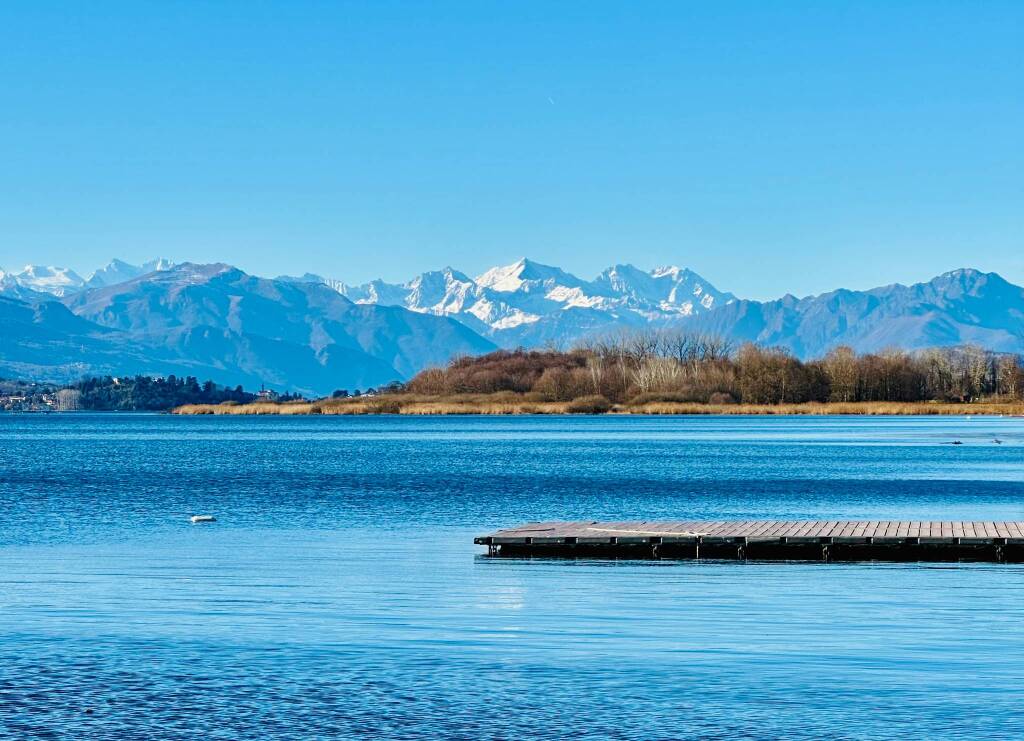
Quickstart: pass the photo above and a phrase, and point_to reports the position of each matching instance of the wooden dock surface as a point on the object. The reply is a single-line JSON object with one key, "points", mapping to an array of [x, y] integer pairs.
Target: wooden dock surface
{"points": [[828, 539]]}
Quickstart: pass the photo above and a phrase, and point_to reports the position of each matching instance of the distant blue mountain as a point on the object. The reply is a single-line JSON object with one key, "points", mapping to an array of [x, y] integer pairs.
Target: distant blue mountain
{"points": [[44, 340], [959, 307], [216, 321]]}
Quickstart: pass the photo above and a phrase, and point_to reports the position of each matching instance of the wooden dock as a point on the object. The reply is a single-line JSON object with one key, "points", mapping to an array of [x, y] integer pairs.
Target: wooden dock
{"points": [[849, 540]]}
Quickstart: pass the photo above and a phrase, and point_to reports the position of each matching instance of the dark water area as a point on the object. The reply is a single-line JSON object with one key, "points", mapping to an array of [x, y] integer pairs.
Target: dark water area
{"points": [[339, 593]]}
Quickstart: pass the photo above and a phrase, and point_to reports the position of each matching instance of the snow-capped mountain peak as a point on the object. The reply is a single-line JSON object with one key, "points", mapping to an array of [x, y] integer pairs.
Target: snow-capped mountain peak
{"points": [[33, 280], [10, 288], [374, 292], [440, 292], [49, 279], [7, 282], [669, 289], [673, 271], [119, 271], [529, 302], [526, 275]]}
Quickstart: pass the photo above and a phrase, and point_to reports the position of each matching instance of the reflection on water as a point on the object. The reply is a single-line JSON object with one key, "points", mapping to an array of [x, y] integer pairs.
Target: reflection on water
{"points": [[339, 593]]}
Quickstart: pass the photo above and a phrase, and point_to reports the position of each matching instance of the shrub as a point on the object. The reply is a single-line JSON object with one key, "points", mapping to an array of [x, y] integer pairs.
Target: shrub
{"points": [[678, 397], [431, 382], [589, 405], [502, 370], [554, 384]]}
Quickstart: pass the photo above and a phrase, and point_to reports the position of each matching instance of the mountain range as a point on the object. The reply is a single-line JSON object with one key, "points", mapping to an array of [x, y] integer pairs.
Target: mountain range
{"points": [[530, 304], [215, 321], [956, 308], [313, 334], [62, 282]]}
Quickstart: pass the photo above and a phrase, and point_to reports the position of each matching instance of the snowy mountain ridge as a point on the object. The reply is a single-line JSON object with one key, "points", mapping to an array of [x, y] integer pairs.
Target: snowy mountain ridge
{"points": [[118, 271], [529, 303], [61, 282]]}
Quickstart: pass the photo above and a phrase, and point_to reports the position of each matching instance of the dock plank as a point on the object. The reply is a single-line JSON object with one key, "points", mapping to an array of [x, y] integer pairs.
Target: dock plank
{"points": [[964, 535]]}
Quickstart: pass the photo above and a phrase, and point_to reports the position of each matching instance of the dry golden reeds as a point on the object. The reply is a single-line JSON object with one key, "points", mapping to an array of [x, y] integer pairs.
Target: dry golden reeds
{"points": [[505, 403]]}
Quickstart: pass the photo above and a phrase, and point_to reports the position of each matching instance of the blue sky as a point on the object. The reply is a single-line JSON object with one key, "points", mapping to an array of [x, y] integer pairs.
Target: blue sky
{"points": [[773, 147]]}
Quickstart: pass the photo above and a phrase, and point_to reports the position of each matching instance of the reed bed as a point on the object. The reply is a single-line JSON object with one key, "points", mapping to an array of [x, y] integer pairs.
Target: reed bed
{"points": [[507, 403], [874, 408]]}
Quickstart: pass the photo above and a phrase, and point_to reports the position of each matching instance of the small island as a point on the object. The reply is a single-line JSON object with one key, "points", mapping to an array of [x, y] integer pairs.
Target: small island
{"points": [[681, 373]]}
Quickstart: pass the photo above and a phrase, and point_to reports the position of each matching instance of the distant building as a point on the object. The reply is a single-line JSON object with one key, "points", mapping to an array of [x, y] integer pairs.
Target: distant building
{"points": [[13, 402], [265, 394]]}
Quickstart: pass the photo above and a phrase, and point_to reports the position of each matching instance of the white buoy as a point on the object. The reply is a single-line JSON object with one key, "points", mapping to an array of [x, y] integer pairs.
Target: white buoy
{"points": [[202, 518]]}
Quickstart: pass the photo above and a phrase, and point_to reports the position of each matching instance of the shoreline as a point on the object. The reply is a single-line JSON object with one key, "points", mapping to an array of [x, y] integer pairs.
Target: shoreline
{"points": [[515, 405]]}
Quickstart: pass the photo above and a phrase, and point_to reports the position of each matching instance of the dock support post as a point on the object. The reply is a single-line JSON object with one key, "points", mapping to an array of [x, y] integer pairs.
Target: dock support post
{"points": [[492, 550]]}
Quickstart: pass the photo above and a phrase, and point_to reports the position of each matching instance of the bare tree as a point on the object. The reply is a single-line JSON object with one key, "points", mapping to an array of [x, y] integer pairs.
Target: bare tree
{"points": [[840, 366], [1009, 376]]}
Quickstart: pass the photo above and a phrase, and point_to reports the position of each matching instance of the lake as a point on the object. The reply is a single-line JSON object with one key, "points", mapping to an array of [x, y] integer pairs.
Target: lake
{"points": [[339, 594]]}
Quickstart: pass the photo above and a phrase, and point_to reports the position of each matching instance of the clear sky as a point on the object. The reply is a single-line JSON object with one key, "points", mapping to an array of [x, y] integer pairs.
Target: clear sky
{"points": [[771, 146]]}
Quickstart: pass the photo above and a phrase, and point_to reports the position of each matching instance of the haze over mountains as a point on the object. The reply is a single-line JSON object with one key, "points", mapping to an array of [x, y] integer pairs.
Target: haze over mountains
{"points": [[312, 334]]}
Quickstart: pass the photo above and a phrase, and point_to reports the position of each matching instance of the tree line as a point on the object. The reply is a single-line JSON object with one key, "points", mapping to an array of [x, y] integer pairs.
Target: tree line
{"points": [[146, 393], [689, 367]]}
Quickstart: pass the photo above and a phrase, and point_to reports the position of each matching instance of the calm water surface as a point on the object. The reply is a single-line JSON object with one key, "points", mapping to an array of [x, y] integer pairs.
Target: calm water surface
{"points": [[339, 593]]}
